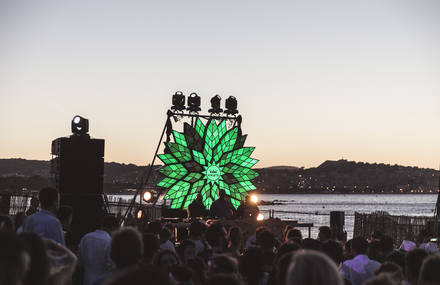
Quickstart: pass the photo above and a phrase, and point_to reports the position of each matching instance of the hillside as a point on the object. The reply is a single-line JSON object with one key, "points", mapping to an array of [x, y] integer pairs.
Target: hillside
{"points": [[340, 176]]}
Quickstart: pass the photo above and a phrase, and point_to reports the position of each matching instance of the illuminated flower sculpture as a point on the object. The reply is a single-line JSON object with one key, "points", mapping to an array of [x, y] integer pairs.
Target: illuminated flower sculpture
{"points": [[204, 160]]}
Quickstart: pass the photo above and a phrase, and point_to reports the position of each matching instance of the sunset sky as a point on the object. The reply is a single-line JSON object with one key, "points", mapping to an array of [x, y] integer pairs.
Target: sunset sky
{"points": [[315, 80]]}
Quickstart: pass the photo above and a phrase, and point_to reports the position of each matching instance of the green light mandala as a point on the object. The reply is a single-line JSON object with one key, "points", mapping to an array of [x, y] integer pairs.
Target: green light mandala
{"points": [[205, 159]]}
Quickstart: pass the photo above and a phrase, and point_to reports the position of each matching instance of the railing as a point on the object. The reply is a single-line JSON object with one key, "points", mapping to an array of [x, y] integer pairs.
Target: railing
{"points": [[397, 227]]}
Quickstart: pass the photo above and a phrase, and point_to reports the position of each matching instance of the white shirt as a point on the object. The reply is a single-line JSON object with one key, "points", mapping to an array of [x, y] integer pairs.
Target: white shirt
{"points": [[359, 269], [94, 255]]}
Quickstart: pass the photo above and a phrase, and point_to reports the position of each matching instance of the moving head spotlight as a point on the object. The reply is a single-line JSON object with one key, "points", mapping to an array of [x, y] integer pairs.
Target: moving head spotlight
{"points": [[215, 105], [231, 105], [80, 125], [194, 102], [178, 101]]}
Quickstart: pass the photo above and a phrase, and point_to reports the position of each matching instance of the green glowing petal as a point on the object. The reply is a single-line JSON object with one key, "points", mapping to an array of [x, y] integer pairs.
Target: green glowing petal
{"points": [[225, 187], [226, 144], [197, 187], [180, 139], [192, 177], [178, 193], [200, 128], [166, 182], [194, 140], [176, 171], [236, 156], [180, 152], [199, 158], [214, 192], [167, 158], [245, 174], [235, 203], [211, 134]]}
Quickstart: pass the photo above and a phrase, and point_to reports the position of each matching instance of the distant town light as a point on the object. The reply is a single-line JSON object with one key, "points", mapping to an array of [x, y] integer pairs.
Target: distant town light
{"points": [[260, 217]]}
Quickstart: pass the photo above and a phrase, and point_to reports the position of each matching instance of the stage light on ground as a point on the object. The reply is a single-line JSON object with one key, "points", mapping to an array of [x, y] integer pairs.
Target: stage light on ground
{"points": [[260, 217], [178, 101], [139, 214], [80, 125], [147, 196], [254, 198], [231, 105], [215, 105], [194, 102]]}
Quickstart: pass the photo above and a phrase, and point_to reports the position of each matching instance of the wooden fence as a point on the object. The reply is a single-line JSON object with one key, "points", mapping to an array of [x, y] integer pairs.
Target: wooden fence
{"points": [[397, 227]]}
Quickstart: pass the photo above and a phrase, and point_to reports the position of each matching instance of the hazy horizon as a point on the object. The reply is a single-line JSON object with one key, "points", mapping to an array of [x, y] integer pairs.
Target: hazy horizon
{"points": [[315, 80]]}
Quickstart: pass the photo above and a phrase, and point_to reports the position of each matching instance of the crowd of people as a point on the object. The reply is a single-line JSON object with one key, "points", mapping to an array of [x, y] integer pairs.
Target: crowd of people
{"points": [[33, 251]]}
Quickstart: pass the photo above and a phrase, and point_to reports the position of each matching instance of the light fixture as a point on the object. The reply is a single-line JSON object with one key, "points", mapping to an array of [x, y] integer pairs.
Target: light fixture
{"points": [[147, 196], [193, 102], [140, 214], [178, 101], [231, 105], [80, 125], [215, 105], [260, 217], [254, 198]]}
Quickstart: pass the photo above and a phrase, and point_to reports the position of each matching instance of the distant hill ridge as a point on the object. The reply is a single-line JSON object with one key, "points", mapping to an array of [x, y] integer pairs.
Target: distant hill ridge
{"points": [[339, 176]]}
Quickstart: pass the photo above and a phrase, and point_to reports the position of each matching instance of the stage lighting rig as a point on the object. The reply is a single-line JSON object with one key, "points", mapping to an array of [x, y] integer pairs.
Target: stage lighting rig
{"points": [[147, 196], [194, 103], [215, 105], [80, 126], [231, 106], [178, 101]]}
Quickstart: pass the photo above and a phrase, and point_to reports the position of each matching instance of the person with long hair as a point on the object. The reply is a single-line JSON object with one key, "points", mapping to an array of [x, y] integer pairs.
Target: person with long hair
{"points": [[312, 268]]}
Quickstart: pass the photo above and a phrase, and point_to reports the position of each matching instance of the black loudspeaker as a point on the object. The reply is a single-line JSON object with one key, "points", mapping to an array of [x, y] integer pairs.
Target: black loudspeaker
{"points": [[337, 222], [77, 172]]}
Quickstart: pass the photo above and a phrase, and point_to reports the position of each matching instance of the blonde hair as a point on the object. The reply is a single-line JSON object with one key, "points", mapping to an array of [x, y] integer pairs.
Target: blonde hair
{"points": [[312, 268]]}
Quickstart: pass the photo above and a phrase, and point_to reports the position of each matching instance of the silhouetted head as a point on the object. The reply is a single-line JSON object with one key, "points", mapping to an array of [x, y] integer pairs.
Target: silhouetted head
{"points": [[430, 273], [166, 260], [325, 233], [359, 245], [187, 250], [293, 233], [49, 199], [414, 260], [313, 267], [110, 223], [127, 247], [333, 250]]}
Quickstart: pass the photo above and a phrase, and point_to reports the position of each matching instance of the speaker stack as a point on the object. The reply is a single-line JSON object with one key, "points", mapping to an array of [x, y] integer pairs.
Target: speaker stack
{"points": [[77, 170]]}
